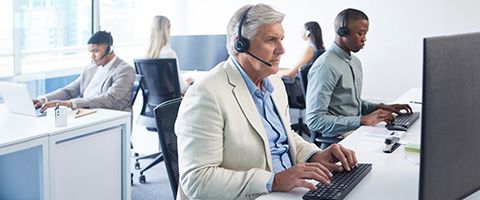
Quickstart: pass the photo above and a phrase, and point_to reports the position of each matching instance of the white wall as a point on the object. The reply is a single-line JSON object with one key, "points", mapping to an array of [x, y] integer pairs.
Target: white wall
{"points": [[393, 52]]}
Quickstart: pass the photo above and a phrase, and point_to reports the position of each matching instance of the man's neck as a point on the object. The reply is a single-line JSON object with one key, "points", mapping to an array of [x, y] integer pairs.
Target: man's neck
{"points": [[108, 58], [342, 45]]}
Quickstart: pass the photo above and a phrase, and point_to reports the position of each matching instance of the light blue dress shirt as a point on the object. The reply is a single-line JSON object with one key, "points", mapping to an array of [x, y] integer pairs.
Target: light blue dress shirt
{"points": [[277, 137], [333, 103]]}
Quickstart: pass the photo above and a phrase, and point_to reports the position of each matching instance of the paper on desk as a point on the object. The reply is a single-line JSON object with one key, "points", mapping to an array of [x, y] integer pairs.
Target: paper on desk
{"points": [[378, 133]]}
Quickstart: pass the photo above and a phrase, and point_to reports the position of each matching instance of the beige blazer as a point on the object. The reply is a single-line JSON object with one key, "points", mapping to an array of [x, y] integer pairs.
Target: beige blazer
{"points": [[222, 145], [116, 89]]}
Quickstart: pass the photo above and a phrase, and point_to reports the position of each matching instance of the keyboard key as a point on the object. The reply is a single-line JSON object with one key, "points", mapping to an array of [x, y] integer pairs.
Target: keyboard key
{"points": [[403, 121], [341, 184]]}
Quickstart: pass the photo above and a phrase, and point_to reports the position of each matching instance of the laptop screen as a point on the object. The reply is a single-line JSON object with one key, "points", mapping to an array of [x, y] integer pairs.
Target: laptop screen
{"points": [[17, 98]]}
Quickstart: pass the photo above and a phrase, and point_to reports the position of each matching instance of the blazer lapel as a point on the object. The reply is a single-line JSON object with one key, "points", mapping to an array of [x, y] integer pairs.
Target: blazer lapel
{"points": [[110, 72], [245, 101]]}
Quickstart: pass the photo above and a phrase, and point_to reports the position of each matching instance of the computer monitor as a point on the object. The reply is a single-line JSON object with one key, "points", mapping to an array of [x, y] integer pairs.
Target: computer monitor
{"points": [[450, 140], [199, 52]]}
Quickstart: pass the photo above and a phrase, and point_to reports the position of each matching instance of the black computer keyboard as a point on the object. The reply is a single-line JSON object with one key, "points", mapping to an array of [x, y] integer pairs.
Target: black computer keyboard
{"points": [[340, 184], [403, 121]]}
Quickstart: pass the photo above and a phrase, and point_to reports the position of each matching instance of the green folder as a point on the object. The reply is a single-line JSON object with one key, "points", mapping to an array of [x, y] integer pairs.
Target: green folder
{"points": [[412, 148]]}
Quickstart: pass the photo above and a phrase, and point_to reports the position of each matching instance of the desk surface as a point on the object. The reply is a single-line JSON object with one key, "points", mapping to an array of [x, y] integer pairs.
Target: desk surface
{"points": [[393, 176], [17, 128], [89, 147]]}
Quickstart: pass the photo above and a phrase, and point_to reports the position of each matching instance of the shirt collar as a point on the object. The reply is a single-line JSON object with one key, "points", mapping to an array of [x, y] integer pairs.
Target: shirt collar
{"points": [[267, 86], [340, 52]]}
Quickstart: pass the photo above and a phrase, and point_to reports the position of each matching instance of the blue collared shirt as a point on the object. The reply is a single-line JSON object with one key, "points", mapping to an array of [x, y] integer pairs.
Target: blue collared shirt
{"points": [[333, 103], [276, 133]]}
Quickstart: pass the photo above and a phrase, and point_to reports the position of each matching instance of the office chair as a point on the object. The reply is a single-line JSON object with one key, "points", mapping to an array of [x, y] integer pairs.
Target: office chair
{"points": [[160, 84], [314, 136], [135, 89], [165, 116], [296, 100]]}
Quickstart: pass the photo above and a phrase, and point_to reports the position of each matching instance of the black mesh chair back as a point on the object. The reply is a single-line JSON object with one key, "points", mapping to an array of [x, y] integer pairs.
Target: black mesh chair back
{"points": [[293, 87], [165, 116], [160, 83]]}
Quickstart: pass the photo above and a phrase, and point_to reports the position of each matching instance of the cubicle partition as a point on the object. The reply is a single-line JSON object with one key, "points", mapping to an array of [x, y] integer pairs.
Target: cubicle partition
{"points": [[87, 159]]}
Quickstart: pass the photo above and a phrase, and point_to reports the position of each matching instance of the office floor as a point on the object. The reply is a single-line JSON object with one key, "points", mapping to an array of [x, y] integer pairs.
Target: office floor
{"points": [[144, 142]]}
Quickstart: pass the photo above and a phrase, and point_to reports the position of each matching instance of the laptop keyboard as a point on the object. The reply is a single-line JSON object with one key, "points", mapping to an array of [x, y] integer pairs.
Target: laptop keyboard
{"points": [[340, 184], [39, 112], [403, 121]]}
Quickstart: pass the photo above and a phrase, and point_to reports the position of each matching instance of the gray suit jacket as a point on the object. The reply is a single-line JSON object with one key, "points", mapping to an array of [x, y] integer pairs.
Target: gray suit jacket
{"points": [[116, 89], [223, 148]]}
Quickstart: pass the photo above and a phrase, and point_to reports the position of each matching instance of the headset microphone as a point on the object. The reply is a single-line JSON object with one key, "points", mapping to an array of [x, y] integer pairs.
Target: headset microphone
{"points": [[264, 62], [242, 44]]}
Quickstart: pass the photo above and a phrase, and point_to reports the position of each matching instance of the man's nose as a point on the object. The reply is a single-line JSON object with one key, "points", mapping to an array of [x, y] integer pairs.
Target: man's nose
{"points": [[279, 50]]}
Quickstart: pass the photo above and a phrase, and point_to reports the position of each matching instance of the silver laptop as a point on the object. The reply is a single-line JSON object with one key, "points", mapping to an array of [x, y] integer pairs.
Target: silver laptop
{"points": [[18, 100]]}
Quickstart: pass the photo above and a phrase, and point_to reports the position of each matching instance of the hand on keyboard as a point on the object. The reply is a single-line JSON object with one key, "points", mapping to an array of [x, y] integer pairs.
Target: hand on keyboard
{"points": [[319, 167], [296, 176], [395, 108], [342, 183], [376, 117], [403, 121]]}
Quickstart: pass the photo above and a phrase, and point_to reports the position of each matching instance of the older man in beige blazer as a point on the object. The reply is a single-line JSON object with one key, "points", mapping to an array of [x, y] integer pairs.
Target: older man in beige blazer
{"points": [[106, 83], [233, 128]]}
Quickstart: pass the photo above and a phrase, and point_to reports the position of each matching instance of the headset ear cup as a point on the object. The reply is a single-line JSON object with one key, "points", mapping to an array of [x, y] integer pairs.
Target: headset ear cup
{"points": [[242, 44], [342, 31]]}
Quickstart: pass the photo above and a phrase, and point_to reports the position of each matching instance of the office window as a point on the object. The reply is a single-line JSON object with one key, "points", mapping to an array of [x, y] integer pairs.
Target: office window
{"points": [[53, 34], [6, 38], [121, 26], [129, 22]]}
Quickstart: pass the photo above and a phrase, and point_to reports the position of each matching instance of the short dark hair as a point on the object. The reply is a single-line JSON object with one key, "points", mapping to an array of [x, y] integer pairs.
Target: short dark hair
{"points": [[101, 37], [343, 19]]}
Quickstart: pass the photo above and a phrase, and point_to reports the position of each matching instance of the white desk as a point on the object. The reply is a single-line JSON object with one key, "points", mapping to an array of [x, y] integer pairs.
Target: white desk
{"points": [[88, 159], [393, 176]]}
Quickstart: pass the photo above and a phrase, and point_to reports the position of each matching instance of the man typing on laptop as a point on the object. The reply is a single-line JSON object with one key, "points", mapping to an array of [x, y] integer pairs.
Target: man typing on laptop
{"points": [[106, 83]]}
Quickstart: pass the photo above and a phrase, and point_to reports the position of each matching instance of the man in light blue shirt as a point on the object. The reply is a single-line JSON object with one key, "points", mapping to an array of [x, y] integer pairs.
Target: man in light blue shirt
{"points": [[333, 100], [233, 128]]}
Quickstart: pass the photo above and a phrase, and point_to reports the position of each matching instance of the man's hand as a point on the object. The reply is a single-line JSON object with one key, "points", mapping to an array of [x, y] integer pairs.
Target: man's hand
{"points": [[318, 167], [376, 117], [37, 103], [296, 176], [336, 158], [396, 108], [54, 104]]}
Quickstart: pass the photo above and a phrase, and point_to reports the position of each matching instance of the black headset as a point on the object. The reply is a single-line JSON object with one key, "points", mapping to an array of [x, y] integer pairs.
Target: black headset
{"points": [[242, 44], [343, 30]]}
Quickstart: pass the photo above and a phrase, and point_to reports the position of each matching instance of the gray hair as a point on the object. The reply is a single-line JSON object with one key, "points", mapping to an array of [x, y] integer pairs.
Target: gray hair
{"points": [[257, 16]]}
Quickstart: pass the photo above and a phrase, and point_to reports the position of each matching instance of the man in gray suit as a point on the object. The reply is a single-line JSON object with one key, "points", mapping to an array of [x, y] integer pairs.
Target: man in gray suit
{"points": [[106, 83]]}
